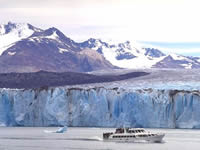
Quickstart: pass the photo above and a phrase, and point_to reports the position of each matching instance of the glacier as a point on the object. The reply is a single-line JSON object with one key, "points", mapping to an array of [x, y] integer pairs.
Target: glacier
{"points": [[100, 107]]}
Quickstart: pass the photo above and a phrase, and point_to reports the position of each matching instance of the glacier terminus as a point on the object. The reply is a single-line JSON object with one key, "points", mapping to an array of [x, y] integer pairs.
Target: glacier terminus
{"points": [[100, 107]]}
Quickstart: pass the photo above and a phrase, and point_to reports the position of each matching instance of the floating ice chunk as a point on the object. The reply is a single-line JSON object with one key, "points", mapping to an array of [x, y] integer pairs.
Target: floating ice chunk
{"points": [[2, 125], [60, 130]]}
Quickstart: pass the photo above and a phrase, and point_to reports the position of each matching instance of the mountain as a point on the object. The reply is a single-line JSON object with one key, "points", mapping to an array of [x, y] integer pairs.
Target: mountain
{"points": [[124, 55], [178, 61], [12, 32], [153, 52], [25, 48], [130, 55], [50, 50]]}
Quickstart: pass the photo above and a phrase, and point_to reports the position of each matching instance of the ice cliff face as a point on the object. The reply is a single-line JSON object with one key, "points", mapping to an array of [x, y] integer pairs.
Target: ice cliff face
{"points": [[100, 107]]}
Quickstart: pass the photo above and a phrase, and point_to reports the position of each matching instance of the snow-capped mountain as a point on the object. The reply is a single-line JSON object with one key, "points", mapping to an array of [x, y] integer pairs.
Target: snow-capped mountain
{"points": [[178, 61], [153, 52], [128, 55], [50, 50], [25, 48], [124, 55], [12, 32]]}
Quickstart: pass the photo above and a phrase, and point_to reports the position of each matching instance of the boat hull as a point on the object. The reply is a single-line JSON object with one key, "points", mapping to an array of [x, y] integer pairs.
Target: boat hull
{"points": [[156, 138]]}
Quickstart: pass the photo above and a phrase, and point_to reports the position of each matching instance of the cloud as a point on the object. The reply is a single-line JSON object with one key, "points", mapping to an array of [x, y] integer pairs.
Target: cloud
{"points": [[143, 20], [82, 3]]}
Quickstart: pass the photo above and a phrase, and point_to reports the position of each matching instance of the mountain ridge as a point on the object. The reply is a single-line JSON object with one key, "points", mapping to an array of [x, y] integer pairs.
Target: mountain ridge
{"points": [[32, 49], [44, 79]]}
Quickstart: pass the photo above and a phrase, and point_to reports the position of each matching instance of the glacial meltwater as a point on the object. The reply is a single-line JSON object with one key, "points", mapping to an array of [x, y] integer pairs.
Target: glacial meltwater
{"points": [[34, 138]]}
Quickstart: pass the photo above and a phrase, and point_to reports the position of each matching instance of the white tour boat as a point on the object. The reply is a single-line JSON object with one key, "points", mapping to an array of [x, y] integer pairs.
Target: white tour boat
{"points": [[132, 135]]}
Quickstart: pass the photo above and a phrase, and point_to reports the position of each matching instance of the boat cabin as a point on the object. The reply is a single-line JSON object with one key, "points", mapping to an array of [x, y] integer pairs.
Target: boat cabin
{"points": [[129, 130]]}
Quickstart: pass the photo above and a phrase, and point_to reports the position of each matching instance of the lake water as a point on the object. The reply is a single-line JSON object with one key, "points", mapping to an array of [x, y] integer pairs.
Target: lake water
{"points": [[25, 138]]}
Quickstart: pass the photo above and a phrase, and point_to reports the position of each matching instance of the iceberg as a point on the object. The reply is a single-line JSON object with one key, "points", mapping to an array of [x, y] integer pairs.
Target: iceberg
{"points": [[60, 130]]}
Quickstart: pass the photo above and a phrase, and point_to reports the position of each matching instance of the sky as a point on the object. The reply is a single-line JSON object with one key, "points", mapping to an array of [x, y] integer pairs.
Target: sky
{"points": [[171, 25]]}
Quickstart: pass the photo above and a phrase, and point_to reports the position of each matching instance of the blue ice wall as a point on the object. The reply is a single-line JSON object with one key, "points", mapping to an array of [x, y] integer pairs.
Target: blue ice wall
{"points": [[100, 107]]}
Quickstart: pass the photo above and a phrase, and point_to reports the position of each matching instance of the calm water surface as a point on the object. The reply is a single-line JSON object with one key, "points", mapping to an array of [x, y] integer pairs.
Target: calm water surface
{"points": [[25, 138]]}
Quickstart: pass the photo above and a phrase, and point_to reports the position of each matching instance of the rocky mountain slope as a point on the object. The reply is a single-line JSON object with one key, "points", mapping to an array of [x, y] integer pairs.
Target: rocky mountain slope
{"points": [[52, 79], [50, 50]]}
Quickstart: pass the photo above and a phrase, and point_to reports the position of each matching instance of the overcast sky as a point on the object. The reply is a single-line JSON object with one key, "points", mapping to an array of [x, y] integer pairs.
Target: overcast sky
{"points": [[150, 21]]}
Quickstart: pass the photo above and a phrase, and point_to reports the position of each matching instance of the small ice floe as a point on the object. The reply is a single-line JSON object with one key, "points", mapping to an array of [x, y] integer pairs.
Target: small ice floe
{"points": [[2, 125], [60, 130]]}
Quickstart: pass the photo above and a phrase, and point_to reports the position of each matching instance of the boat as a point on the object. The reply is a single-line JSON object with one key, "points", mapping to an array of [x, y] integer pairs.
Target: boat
{"points": [[132, 135]]}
